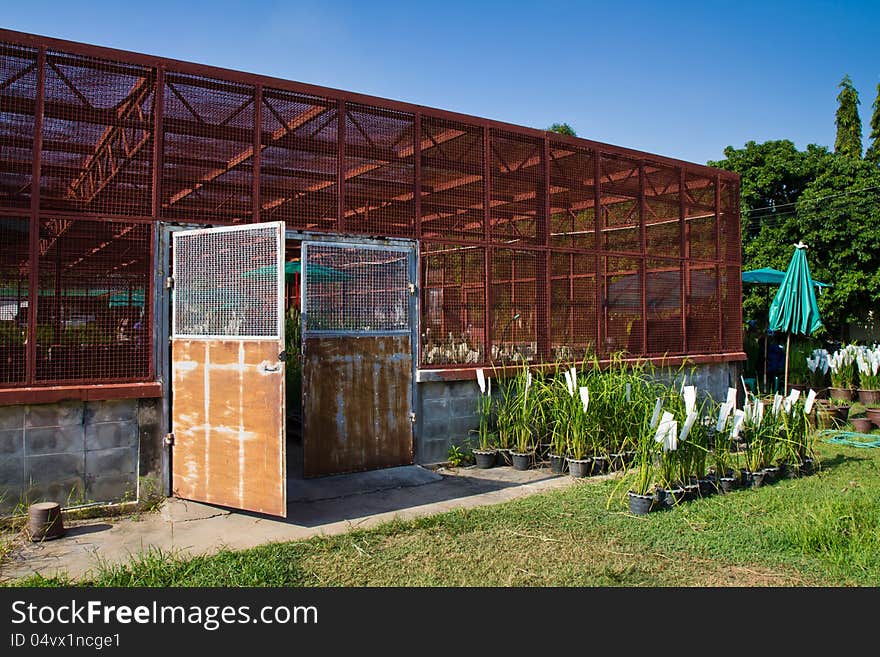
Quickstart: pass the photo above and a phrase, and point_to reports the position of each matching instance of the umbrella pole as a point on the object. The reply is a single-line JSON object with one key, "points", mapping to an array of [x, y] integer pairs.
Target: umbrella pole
{"points": [[787, 340], [765, 362]]}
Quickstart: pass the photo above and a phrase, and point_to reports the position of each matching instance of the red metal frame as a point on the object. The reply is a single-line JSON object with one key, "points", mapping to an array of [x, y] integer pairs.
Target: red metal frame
{"points": [[370, 161]]}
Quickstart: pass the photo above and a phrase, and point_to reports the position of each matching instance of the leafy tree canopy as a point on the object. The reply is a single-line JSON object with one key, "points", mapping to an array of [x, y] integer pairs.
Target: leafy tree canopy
{"points": [[562, 129], [849, 124], [873, 153], [832, 203]]}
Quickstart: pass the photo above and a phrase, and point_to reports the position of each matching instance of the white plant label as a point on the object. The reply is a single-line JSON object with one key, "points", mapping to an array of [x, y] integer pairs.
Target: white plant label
{"points": [[811, 397], [569, 383], [731, 397], [628, 393], [777, 402], [656, 416], [723, 412], [481, 380], [738, 417], [585, 397], [793, 395], [688, 423], [670, 442], [663, 427], [759, 412], [689, 393]]}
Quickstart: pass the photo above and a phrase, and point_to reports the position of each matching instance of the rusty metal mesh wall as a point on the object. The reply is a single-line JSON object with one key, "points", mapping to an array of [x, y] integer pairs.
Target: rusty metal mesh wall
{"points": [[97, 136], [226, 283], [452, 184], [298, 170], [93, 306], [354, 288], [14, 293], [129, 136], [454, 304], [208, 149], [18, 93]]}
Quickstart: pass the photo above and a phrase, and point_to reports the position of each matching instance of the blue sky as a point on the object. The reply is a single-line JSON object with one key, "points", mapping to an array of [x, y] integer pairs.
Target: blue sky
{"points": [[683, 79]]}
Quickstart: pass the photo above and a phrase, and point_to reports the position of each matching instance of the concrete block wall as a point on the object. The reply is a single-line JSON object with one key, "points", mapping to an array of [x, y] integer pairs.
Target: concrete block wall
{"points": [[71, 452], [447, 413]]}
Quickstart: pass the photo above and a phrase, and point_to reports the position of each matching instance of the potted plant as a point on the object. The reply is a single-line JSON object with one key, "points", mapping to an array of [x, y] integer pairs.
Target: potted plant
{"points": [[640, 495], [868, 362], [486, 453], [817, 364], [525, 415], [580, 464], [841, 365]]}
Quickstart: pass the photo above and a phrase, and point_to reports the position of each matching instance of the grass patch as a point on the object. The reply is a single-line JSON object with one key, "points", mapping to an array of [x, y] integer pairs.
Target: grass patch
{"points": [[818, 530]]}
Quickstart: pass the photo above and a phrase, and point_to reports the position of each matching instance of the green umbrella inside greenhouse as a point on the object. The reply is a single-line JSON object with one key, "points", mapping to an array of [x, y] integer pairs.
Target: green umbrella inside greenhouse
{"points": [[794, 308]]}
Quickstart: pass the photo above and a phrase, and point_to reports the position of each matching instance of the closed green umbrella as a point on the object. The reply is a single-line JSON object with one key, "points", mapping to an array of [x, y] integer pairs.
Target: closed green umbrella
{"points": [[794, 308]]}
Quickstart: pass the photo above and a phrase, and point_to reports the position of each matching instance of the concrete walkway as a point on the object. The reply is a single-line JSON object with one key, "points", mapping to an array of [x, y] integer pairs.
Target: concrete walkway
{"points": [[326, 506]]}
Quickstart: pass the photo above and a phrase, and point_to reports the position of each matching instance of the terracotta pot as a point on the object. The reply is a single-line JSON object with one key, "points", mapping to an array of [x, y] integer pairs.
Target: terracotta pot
{"points": [[874, 415], [846, 394], [869, 397], [862, 424]]}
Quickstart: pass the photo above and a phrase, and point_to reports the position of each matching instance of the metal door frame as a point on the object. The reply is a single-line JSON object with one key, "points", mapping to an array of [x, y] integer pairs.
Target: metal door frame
{"points": [[395, 243]]}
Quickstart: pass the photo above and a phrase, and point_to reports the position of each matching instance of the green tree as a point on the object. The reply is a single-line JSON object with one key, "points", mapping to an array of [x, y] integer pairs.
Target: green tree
{"points": [[562, 129], [849, 126], [873, 152]]}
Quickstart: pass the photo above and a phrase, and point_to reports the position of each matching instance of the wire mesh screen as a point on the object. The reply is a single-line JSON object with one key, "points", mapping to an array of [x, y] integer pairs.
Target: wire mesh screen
{"points": [[451, 180], [226, 282], [208, 149], [355, 288], [379, 171], [572, 197], [14, 283], [662, 210], [453, 304], [573, 324], [663, 306], [620, 190], [731, 308], [623, 305], [97, 151], [18, 91], [702, 308], [700, 216], [515, 305], [93, 309], [728, 215], [517, 187], [298, 171]]}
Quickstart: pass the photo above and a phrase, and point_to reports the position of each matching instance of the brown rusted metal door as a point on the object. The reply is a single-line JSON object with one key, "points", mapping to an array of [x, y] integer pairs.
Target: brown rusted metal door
{"points": [[358, 305], [227, 363]]}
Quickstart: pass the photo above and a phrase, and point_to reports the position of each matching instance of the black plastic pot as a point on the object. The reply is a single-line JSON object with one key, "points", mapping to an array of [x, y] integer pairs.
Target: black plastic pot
{"points": [[580, 467], [691, 492], [557, 464], [616, 461], [807, 467], [503, 457], [669, 497], [707, 487], [771, 474], [600, 465], [640, 505], [522, 460], [727, 484], [753, 479], [485, 458]]}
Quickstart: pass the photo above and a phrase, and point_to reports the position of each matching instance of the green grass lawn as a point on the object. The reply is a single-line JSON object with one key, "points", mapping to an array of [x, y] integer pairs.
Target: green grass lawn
{"points": [[818, 530]]}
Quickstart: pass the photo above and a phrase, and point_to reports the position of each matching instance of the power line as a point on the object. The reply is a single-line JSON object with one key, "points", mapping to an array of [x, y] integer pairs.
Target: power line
{"points": [[814, 200]]}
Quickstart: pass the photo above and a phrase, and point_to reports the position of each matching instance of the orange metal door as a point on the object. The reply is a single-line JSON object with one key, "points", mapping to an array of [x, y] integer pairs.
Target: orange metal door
{"points": [[228, 367]]}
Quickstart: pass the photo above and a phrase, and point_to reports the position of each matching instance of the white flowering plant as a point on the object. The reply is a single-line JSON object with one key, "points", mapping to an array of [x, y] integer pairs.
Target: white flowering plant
{"points": [[842, 366], [817, 363], [868, 362]]}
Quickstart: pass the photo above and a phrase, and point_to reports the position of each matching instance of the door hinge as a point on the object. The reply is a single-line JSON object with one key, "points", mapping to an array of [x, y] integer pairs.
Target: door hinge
{"points": [[412, 288], [169, 439], [169, 283], [412, 418]]}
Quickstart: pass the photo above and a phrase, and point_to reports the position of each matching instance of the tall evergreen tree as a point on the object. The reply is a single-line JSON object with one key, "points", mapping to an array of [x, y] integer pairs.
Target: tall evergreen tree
{"points": [[873, 152], [849, 125]]}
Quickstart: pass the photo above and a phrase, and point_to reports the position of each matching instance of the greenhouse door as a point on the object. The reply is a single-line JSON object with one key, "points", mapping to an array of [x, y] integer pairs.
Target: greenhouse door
{"points": [[358, 304], [227, 363]]}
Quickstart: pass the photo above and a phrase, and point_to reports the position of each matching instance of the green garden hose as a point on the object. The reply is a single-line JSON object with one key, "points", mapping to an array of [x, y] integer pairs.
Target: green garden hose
{"points": [[850, 438]]}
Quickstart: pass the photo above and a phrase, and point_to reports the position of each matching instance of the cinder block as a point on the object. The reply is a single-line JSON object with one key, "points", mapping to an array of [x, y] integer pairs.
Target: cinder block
{"points": [[435, 407], [110, 411], [434, 429], [105, 462], [12, 471], [432, 451], [10, 497], [11, 417], [107, 435], [467, 389], [55, 440], [12, 443], [111, 488], [49, 467], [463, 406], [68, 492], [55, 415], [433, 390]]}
